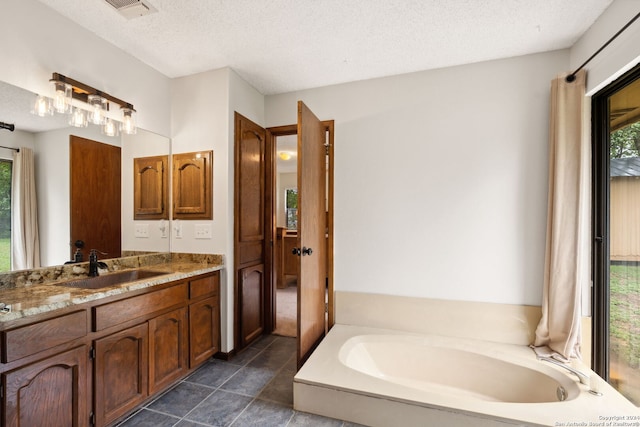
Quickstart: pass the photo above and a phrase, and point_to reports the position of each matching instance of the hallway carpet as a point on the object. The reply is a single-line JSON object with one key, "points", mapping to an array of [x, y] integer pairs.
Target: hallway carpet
{"points": [[287, 311]]}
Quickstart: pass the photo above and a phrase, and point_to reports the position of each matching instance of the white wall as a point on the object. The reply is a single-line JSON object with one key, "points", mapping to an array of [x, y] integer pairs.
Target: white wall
{"points": [[617, 58], [15, 139], [440, 178], [142, 144], [202, 118], [199, 122], [36, 41]]}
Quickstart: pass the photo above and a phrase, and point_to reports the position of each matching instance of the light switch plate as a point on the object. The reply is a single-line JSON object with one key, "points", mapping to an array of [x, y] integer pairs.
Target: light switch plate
{"points": [[142, 231], [203, 231]]}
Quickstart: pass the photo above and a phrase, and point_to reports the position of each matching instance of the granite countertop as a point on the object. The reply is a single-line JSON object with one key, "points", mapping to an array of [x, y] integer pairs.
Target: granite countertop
{"points": [[28, 299]]}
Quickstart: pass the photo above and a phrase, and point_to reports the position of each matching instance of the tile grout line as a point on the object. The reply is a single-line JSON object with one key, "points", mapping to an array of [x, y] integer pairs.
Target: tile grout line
{"points": [[263, 387], [219, 387], [259, 352]]}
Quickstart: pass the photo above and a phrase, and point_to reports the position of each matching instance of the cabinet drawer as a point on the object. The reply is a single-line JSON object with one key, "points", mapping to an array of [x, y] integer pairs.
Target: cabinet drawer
{"points": [[204, 286], [30, 339], [117, 312]]}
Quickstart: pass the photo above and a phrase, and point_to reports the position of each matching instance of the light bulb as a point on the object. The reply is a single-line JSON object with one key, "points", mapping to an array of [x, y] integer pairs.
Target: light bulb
{"points": [[78, 118], [128, 125], [62, 98], [42, 106], [98, 107], [109, 128]]}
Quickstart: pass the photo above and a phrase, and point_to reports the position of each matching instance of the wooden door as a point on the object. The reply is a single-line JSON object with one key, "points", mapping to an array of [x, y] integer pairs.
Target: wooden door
{"points": [[95, 196], [312, 226], [121, 373], [249, 246], [168, 347], [51, 392]]}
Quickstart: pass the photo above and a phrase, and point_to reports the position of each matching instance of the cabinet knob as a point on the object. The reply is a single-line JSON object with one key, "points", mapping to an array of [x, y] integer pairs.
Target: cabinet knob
{"points": [[296, 251], [306, 251]]}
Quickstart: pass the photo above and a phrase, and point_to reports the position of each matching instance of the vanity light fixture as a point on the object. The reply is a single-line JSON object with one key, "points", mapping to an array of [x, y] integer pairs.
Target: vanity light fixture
{"points": [[66, 90]]}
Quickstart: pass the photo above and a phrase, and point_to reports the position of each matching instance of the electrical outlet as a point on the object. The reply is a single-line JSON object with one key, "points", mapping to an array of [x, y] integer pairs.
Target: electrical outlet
{"points": [[142, 231], [203, 231]]}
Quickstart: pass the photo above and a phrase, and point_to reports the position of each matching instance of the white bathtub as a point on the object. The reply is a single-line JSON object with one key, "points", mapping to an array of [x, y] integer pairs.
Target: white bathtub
{"points": [[389, 378]]}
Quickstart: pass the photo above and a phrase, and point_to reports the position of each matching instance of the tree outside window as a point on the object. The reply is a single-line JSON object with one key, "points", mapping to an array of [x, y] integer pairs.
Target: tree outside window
{"points": [[291, 208], [5, 215]]}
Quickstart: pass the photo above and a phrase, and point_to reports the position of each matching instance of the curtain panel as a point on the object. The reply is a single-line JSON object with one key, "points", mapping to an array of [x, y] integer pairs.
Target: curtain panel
{"points": [[568, 243], [25, 243]]}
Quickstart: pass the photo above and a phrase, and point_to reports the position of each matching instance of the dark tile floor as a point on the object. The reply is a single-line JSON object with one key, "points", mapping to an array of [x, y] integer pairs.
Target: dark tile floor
{"points": [[255, 388]]}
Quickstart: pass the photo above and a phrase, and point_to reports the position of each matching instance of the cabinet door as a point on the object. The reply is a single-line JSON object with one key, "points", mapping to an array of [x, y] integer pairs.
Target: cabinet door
{"points": [[121, 373], [251, 303], [167, 349], [192, 185], [204, 330], [150, 187], [51, 392]]}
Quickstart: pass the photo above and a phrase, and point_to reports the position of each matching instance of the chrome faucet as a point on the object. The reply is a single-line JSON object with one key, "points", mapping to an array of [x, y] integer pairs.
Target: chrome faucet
{"points": [[94, 264], [584, 378]]}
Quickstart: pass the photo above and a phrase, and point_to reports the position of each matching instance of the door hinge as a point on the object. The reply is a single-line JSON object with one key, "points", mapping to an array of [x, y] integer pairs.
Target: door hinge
{"points": [[326, 307], [326, 149], [92, 418], [92, 353]]}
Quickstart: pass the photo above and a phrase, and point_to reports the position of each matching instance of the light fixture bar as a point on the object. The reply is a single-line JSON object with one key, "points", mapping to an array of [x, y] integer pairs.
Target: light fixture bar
{"points": [[81, 91]]}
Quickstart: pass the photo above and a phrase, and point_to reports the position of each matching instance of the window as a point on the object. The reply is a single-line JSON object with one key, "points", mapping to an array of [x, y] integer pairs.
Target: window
{"points": [[5, 215], [616, 169], [291, 208]]}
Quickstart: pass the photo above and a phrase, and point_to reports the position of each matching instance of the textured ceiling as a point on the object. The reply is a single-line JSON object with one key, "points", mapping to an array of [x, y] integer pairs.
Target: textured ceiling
{"points": [[285, 45]]}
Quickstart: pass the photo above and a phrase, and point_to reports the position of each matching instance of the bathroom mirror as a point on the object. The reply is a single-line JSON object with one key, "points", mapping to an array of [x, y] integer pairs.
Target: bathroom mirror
{"points": [[49, 139]]}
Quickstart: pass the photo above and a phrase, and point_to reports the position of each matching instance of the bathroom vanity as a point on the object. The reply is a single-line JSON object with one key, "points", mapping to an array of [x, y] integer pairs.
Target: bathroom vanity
{"points": [[105, 351]]}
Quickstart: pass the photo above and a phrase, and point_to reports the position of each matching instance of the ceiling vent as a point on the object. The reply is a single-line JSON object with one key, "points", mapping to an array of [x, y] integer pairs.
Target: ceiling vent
{"points": [[132, 8]]}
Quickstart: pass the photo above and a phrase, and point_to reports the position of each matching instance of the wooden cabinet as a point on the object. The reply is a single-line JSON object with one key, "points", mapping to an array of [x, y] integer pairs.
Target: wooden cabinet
{"points": [[51, 392], [192, 185], [121, 373], [150, 187], [102, 360], [168, 347]]}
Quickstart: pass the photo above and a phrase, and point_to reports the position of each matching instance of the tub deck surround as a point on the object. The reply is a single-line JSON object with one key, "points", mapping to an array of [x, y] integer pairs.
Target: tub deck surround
{"points": [[382, 392], [506, 323], [33, 292]]}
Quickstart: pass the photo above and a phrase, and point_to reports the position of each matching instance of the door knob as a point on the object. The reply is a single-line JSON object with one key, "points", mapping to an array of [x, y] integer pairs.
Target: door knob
{"points": [[296, 251], [306, 251]]}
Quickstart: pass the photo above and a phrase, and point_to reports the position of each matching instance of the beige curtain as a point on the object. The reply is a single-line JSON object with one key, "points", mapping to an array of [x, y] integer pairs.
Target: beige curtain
{"points": [[568, 249], [25, 243]]}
